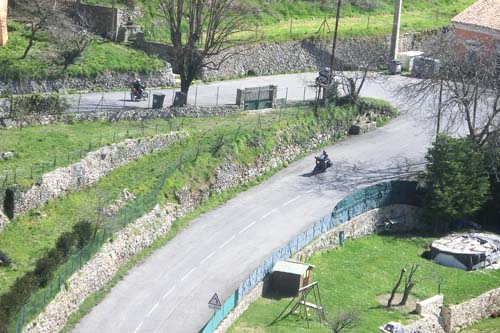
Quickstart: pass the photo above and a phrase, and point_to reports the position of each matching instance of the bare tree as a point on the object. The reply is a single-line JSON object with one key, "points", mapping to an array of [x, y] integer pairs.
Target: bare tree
{"points": [[396, 287], [410, 282], [72, 37], [41, 14], [356, 63], [465, 91], [200, 30], [343, 321]]}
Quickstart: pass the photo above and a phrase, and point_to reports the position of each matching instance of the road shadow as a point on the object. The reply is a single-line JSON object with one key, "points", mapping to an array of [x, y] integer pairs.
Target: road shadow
{"points": [[350, 176]]}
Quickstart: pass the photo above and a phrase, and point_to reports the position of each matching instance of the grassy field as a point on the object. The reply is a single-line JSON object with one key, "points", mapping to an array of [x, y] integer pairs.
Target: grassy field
{"points": [[40, 149], [283, 20], [102, 56], [485, 326], [354, 276]]}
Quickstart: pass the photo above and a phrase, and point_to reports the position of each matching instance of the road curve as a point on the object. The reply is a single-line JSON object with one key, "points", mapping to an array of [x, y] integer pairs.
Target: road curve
{"points": [[169, 291]]}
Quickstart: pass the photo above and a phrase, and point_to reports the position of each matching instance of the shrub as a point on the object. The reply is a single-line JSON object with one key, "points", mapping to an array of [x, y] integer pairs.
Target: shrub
{"points": [[36, 105], [456, 179]]}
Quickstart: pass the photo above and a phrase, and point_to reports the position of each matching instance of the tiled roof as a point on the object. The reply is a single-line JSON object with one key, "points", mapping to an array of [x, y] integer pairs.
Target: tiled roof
{"points": [[483, 13]]}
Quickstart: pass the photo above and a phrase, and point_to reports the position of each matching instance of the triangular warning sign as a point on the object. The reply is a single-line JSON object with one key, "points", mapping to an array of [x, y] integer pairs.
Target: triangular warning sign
{"points": [[214, 302]]}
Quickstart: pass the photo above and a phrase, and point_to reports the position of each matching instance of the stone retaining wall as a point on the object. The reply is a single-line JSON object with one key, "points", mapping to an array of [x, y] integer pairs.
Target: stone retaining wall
{"points": [[454, 318], [457, 317], [132, 115], [363, 225], [90, 169], [291, 56], [105, 81]]}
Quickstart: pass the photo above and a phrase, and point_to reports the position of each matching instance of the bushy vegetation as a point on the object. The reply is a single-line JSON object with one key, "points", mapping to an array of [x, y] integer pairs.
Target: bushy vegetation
{"points": [[36, 105], [457, 181], [68, 243], [358, 274]]}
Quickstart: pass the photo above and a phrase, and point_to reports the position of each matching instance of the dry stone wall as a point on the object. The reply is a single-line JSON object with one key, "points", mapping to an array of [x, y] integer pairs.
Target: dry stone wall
{"points": [[291, 56], [120, 115], [89, 170], [457, 317], [109, 80]]}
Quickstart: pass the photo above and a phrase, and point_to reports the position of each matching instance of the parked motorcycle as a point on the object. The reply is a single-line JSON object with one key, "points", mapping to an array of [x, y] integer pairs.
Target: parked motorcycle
{"points": [[137, 95], [325, 77], [322, 163]]}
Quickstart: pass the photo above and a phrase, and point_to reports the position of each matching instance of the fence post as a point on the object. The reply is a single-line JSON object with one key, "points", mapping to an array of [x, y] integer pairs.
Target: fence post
{"points": [[286, 97], [217, 99], [124, 98], [79, 100], [195, 95]]}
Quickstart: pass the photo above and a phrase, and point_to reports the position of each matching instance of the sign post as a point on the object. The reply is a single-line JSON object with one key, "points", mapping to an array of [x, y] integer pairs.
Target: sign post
{"points": [[215, 303]]}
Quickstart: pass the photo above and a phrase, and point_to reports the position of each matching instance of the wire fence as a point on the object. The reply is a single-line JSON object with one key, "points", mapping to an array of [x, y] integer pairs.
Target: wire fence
{"points": [[127, 214], [357, 203], [285, 98], [28, 173]]}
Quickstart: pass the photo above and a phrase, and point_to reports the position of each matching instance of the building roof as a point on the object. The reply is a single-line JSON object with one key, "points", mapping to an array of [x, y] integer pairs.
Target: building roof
{"points": [[291, 267], [483, 13]]}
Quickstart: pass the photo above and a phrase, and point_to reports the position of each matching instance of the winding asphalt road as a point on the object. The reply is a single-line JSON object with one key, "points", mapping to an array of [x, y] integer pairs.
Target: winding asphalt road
{"points": [[169, 291]]}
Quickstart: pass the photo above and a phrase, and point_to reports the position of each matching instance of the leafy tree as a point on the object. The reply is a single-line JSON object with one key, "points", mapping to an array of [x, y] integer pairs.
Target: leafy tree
{"points": [[456, 178]]}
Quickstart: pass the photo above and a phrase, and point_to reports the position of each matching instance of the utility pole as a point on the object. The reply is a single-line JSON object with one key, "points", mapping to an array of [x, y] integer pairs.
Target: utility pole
{"points": [[395, 30], [114, 23], [337, 18]]}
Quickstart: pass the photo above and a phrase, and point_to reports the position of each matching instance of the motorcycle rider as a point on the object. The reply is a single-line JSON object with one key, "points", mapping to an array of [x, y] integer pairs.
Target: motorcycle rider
{"points": [[325, 75], [324, 155], [138, 88]]}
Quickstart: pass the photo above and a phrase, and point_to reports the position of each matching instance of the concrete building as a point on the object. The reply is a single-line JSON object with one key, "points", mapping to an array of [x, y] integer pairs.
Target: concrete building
{"points": [[3, 22], [477, 29]]}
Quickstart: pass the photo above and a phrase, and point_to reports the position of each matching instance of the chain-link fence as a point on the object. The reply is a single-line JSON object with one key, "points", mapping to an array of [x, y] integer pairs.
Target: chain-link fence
{"points": [[357, 203]]}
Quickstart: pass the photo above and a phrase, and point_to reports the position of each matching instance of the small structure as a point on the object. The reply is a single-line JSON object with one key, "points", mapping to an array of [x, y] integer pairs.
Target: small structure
{"points": [[477, 29], [3, 23], [466, 251], [407, 59], [257, 97], [288, 277]]}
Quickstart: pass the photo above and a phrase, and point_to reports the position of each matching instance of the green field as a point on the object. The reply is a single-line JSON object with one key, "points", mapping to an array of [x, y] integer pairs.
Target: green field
{"points": [[353, 276], [284, 20], [101, 56], [485, 326]]}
